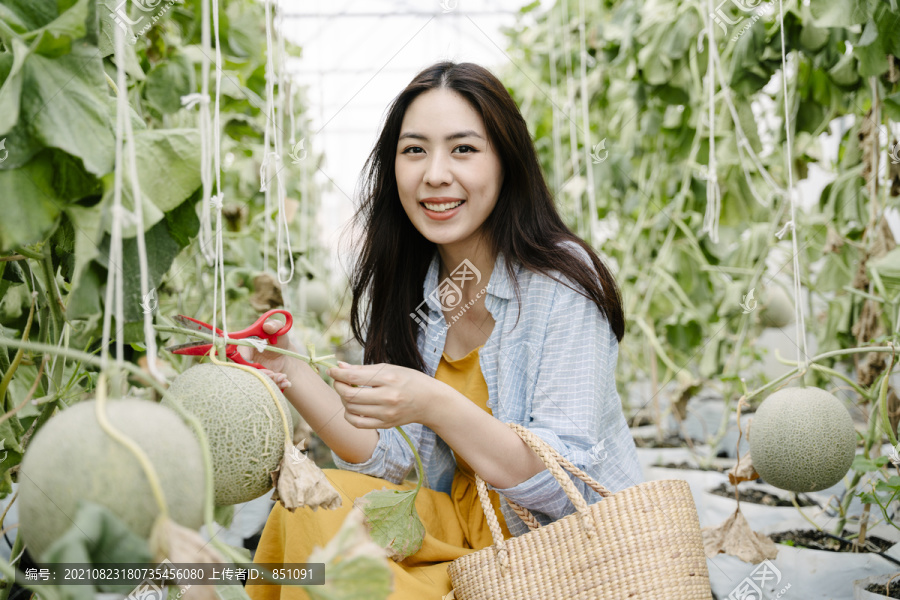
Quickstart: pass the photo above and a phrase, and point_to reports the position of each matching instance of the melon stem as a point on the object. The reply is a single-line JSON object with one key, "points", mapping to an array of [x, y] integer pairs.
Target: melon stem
{"points": [[137, 451], [312, 360], [7, 378], [882, 400], [817, 358], [420, 469]]}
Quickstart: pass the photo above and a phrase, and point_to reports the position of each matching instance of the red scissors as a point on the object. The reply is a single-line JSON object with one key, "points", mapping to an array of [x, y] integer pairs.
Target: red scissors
{"points": [[231, 350]]}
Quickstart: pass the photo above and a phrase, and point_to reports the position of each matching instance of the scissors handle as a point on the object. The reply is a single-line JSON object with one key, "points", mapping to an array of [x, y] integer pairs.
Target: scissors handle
{"points": [[256, 330]]}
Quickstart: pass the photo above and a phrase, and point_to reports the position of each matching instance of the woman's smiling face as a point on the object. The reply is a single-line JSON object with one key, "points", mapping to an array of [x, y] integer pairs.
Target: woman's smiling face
{"points": [[444, 157]]}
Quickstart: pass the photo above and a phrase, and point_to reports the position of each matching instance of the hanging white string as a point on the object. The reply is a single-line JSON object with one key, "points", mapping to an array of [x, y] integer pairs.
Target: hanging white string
{"points": [[283, 240], [554, 105], [137, 195], [585, 121], [273, 139], [305, 228], [218, 200], [713, 194], [267, 135], [802, 355], [203, 125], [114, 263], [570, 106]]}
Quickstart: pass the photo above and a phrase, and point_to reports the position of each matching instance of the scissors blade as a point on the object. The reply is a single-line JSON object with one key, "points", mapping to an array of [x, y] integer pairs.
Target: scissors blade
{"points": [[193, 348], [192, 324]]}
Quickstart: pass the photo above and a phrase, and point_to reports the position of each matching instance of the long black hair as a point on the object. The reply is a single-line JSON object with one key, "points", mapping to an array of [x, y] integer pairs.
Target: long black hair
{"points": [[525, 226]]}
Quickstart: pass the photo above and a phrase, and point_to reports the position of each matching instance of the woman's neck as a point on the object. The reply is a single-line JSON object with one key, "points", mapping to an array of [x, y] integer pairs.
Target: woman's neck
{"points": [[453, 262]]}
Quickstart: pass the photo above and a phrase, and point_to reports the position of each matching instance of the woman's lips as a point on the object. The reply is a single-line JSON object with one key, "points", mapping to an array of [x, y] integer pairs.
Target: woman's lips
{"points": [[445, 214]]}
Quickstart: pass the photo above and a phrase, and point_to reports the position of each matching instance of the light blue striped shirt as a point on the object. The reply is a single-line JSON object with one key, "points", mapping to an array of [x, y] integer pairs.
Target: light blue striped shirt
{"points": [[554, 373]]}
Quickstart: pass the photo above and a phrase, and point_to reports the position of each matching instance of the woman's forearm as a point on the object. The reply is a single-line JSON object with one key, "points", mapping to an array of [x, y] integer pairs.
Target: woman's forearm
{"points": [[322, 408], [488, 445]]}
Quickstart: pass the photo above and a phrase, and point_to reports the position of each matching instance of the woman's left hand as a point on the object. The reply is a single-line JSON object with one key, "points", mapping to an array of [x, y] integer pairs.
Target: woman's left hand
{"points": [[391, 395]]}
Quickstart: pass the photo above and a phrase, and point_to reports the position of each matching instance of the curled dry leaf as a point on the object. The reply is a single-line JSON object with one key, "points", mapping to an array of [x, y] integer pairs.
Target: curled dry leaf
{"points": [[300, 482], [743, 471], [735, 537], [266, 293], [177, 544]]}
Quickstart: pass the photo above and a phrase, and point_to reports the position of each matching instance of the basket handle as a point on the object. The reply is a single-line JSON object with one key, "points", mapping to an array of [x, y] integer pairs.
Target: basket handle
{"points": [[555, 462]]}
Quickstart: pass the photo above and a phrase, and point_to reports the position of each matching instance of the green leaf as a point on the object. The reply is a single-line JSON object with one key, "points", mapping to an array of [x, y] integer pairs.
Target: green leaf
{"points": [[873, 59], [888, 24], [168, 167], [107, 10], [97, 536], [168, 82], [892, 106], [88, 225], [65, 101], [11, 450], [840, 13], [83, 302], [70, 180], [161, 251], [28, 203], [845, 73], [57, 36], [11, 72], [33, 14], [862, 464], [393, 521], [183, 222]]}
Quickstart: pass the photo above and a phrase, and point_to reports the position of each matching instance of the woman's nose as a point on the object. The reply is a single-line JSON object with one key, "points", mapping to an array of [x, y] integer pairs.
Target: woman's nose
{"points": [[437, 172]]}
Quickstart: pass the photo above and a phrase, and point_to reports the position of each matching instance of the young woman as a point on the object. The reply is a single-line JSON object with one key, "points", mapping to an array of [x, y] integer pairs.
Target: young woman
{"points": [[483, 309]]}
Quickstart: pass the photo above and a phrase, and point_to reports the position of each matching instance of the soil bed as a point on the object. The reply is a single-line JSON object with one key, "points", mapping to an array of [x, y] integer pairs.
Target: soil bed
{"points": [[817, 540], [754, 496], [672, 441], [691, 467], [877, 588]]}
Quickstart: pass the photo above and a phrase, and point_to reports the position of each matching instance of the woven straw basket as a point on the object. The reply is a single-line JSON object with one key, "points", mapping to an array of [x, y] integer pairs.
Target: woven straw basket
{"points": [[642, 543]]}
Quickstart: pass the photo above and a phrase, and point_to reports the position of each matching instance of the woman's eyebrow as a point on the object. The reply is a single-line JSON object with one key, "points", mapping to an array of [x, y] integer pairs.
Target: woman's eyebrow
{"points": [[452, 136]]}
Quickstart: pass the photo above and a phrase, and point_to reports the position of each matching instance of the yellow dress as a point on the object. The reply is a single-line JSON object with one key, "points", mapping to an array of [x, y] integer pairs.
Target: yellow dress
{"points": [[455, 524]]}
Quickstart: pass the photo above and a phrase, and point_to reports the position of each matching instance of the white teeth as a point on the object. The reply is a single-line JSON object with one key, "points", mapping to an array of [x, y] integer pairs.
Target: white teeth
{"points": [[441, 207]]}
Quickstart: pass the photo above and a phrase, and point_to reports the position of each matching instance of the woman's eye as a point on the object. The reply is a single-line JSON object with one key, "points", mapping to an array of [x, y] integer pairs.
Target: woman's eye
{"points": [[471, 149], [407, 151]]}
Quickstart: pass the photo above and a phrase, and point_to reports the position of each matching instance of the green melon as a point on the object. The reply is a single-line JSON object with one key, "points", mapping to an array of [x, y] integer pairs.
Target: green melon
{"points": [[72, 458], [777, 308], [242, 424], [802, 440], [317, 297]]}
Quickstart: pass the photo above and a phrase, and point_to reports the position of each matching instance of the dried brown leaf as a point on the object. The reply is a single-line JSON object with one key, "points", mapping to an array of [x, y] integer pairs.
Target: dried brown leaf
{"points": [[266, 293], [176, 544], [743, 471], [734, 537], [300, 482]]}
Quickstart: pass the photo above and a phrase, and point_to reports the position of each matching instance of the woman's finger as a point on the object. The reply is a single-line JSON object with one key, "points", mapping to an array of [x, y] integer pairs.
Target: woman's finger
{"points": [[361, 395]]}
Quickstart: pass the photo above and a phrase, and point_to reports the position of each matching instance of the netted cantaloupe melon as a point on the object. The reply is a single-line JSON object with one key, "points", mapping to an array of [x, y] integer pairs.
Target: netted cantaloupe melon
{"points": [[72, 458], [777, 308], [316, 295], [802, 439], [242, 424]]}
